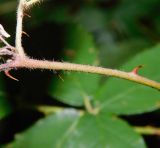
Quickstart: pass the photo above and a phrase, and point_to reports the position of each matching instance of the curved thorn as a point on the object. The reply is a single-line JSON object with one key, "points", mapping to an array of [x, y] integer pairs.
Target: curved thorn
{"points": [[9, 75], [27, 15], [3, 32], [135, 70], [25, 33]]}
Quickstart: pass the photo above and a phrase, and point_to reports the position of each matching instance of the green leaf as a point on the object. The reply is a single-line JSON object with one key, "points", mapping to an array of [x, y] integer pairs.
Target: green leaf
{"points": [[95, 20], [70, 129], [60, 14], [77, 86], [124, 97], [5, 107], [129, 12]]}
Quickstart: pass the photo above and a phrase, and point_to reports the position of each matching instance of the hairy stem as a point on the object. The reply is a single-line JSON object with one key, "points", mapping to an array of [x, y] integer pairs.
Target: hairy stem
{"points": [[52, 65], [19, 28], [31, 2], [21, 61], [23, 4]]}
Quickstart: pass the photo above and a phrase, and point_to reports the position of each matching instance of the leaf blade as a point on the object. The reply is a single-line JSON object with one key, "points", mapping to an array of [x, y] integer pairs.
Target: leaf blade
{"points": [[77, 86], [124, 97], [72, 130]]}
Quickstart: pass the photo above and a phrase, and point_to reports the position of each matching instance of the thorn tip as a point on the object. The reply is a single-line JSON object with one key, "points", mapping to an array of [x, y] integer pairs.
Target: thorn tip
{"points": [[9, 75], [135, 70], [25, 33]]}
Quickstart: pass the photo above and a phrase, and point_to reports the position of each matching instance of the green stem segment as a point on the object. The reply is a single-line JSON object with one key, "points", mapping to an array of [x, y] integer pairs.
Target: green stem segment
{"points": [[52, 65], [147, 130]]}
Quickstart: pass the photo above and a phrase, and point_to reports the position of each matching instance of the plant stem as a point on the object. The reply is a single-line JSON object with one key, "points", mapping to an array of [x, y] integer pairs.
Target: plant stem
{"points": [[24, 62], [147, 130], [19, 29], [90, 109], [23, 4], [52, 65], [31, 2], [54, 109]]}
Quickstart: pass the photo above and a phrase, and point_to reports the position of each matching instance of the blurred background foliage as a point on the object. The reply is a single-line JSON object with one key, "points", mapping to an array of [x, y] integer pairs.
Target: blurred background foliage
{"points": [[117, 29]]}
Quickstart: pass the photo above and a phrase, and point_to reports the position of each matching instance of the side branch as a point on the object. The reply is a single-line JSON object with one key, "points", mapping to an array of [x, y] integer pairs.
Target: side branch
{"points": [[52, 65], [19, 29], [22, 6], [147, 130]]}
